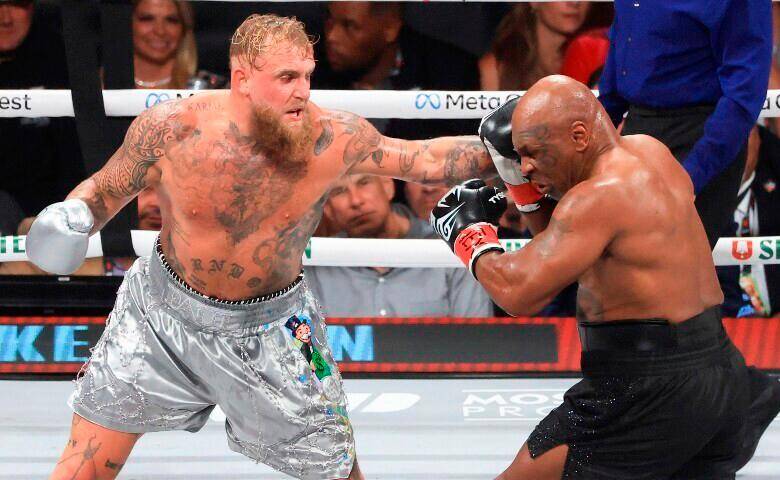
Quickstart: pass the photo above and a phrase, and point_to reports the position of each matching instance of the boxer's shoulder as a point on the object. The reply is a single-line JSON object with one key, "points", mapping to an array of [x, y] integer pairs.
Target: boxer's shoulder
{"points": [[345, 135]]}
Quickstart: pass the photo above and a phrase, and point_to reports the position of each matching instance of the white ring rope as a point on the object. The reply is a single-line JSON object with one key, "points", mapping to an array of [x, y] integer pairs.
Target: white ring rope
{"points": [[369, 252], [368, 103], [371, 104]]}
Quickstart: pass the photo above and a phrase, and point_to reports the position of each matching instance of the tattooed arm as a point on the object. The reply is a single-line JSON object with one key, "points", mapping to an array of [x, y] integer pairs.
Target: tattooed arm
{"points": [[444, 160], [132, 167], [582, 226]]}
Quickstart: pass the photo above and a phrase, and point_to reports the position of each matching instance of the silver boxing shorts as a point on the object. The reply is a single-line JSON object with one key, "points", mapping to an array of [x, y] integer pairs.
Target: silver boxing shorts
{"points": [[169, 355]]}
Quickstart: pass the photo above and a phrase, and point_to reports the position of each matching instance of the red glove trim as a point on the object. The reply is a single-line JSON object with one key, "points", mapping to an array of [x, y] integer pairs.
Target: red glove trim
{"points": [[475, 240], [525, 195]]}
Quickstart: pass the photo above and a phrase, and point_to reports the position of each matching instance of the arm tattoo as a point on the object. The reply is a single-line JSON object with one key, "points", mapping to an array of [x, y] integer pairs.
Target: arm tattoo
{"points": [[363, 139], [325, 138], [125, 173], [406, 160], [465, 160]]}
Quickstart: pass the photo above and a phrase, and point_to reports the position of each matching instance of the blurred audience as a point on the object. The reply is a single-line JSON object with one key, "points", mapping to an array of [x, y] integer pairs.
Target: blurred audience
{"points": [[529, 44], [41, 159], [754, 290], [149, 218], [367, 46], [422, 198], [360, 206], [10, 214], [585, 56], [164, 51]]}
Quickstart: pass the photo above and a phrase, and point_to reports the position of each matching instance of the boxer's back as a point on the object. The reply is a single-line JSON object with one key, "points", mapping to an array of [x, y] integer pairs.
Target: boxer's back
{"points": [[659, 264], [235, 221]]}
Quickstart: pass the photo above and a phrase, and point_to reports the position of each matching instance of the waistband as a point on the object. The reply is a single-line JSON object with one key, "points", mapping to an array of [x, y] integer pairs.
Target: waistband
{"points": [[214, 314], [692, 110], [653, 346]]}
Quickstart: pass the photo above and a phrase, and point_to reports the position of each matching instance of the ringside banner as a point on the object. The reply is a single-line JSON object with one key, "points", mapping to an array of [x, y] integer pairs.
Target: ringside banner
{"points": [[368, 103], [384, 345]]}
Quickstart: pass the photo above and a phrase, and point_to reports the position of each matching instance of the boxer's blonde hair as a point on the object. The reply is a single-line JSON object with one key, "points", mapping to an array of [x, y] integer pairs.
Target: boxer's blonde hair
{"points": [[260, 33]]}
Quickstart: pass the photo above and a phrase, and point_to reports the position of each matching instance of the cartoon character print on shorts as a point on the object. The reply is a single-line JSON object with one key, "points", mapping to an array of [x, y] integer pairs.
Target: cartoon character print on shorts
{"points": [[300, 327]]}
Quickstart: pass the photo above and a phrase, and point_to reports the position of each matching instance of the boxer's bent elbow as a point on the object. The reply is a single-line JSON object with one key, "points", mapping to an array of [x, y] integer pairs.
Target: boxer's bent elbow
{"points": [[510, 288]]}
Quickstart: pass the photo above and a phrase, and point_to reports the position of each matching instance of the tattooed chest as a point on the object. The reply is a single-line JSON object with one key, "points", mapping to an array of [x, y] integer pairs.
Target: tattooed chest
{"points": [[235, 187], [265, 262]]}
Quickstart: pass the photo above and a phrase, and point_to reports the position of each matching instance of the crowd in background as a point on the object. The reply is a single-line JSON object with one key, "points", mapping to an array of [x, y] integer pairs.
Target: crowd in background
{"points": [[362, 45]]}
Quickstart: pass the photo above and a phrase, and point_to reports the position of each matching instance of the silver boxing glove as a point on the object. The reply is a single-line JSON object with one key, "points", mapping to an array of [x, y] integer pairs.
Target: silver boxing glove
{"points": [[58, 238]]}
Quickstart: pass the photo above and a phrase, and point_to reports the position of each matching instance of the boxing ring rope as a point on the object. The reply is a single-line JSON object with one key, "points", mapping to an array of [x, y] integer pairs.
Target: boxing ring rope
{"points": [[410, 104], [405, 253]]}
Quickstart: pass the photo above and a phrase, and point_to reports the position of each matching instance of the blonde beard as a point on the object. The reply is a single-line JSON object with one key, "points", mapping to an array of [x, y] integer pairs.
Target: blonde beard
{"points": [[278, 141]]}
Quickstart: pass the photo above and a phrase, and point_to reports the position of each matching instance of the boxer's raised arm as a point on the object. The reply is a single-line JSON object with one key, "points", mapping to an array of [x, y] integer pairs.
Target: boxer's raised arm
{"points": [[131, 168], [582, 226], [59, 237], [444, 160]]}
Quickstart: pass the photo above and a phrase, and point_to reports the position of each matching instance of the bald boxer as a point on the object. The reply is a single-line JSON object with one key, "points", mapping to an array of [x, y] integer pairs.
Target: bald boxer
{"points": [[665, 393], [220, 313]]}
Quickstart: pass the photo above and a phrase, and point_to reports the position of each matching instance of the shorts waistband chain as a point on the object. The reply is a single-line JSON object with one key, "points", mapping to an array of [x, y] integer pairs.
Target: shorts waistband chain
{"points": [[188, 288]]}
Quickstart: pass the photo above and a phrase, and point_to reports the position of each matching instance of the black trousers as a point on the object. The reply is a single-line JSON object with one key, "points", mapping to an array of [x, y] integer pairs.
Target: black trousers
{"points": [[679, 129]]}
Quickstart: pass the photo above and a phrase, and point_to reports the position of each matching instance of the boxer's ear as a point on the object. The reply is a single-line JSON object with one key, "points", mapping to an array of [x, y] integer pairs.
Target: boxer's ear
{"points": [[580, 135], [239, 79]]}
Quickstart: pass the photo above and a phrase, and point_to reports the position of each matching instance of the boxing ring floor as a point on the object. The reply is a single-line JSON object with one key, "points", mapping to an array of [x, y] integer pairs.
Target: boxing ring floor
{"points": [[454, 429]]}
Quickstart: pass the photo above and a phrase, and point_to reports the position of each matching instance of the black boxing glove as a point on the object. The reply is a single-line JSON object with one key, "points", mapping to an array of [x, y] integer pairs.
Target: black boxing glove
{"points": [[495, 130], [466, 218]]}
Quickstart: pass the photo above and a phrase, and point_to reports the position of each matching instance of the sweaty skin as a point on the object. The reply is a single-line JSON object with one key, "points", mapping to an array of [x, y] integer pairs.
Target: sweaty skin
{"points": [[625, 226], [241, 177], [235, 221]]}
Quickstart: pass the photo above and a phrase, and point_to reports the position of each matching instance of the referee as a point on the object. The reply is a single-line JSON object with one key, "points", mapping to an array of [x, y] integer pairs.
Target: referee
{"points": [[693, 75]]}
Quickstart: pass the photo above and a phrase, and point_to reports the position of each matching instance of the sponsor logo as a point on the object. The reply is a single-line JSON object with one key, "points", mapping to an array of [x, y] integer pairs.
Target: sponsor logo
{"points": [[497, 197], [514, 405], [445, 224], [480, 102], [741, 249], [771, 103], [769, 249], [425, 99], [12, 245], [155, 98], [16, 103]]}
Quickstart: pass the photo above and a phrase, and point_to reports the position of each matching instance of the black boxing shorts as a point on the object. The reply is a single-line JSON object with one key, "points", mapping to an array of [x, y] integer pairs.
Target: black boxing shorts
{"points": [[657, 401]]}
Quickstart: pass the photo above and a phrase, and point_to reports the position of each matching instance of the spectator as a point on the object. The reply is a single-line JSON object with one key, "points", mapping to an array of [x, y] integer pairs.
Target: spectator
{"points": [[367, 46], [164, 51], [422, 198], [585, 56], [693, 75], [41, 159], [360, 205], [529, 44], [149, 218], [11, 214], [754, 290]]}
